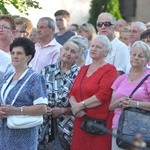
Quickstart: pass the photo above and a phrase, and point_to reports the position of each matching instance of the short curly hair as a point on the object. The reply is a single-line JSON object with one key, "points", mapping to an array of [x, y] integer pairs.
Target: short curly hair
{"points": [[26, 44]]}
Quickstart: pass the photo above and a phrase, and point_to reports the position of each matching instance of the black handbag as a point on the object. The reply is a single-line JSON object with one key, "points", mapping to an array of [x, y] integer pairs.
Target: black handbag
{"points": [[42, 143], [94, 126], [133, 121]]}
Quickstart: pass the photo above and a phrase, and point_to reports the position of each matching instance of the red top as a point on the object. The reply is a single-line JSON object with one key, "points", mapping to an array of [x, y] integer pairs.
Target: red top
{"points": [[98, 84]]}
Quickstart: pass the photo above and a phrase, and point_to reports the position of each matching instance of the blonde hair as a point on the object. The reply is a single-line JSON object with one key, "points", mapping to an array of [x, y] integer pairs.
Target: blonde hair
{"points": [[88, 27]]}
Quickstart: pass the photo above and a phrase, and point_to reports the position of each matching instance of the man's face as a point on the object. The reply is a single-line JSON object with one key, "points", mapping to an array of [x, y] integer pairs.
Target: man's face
{"points": [[43, 30], [105, 26], [134, 33], [61, 22]]}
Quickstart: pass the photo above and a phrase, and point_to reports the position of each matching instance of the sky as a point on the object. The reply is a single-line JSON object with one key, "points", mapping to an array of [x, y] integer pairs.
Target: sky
{"points": [[79, 10]]}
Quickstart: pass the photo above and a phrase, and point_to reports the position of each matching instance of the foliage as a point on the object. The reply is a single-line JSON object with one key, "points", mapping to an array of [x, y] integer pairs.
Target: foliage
{"points": [[21, 5], [98, 6]]}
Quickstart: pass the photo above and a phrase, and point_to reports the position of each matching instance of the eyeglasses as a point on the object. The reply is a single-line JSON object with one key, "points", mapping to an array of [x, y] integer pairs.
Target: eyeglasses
{"points": [[5, 27], [106, 24], [17, 31]]}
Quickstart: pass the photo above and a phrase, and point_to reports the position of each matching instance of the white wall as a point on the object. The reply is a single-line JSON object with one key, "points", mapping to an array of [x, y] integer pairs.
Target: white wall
{"points": [[79, 10], [143, 10]]}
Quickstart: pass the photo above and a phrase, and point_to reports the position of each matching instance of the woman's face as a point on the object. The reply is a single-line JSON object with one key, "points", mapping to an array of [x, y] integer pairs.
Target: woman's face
{"points": [[19, 58], [138, 57], [97, 50], [69, 52]]}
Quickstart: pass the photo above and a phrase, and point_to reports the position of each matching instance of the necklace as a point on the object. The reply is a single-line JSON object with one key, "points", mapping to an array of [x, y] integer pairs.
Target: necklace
{"points": [[135, 76]]}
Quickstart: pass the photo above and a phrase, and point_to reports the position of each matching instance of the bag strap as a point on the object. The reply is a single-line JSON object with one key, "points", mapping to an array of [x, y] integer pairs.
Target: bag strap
{"points": [[145, 78], [81, 90], [13, 101]]}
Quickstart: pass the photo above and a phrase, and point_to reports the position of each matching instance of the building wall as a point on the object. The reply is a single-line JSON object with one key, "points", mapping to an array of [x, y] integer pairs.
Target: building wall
{"points": [[143, 10]]}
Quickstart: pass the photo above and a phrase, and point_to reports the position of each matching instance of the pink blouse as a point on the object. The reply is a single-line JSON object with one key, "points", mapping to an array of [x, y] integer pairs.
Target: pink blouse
{"points": [[122, 87]]}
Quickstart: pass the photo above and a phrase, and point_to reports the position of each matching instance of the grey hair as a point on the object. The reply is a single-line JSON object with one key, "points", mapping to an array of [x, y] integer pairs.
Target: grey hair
{"points": [[140, 25], [108, 15], [80, 50], [106, 42], [51, 22], [82, 40], [145, 47]]}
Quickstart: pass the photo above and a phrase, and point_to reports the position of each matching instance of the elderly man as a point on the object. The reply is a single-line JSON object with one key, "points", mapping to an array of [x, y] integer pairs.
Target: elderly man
{"points": [[135, 31], [119, 54], [47, 48]]}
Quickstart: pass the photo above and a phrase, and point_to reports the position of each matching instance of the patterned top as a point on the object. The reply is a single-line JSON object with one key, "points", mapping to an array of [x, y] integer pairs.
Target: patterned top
{"points": [[58, 87], [33, 92]]}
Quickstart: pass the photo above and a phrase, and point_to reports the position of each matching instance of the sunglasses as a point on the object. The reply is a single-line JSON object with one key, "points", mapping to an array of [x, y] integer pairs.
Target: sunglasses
{"points": [[106, 24]]}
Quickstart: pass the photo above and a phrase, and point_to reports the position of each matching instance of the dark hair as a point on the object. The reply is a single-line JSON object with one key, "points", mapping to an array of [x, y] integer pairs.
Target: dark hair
{"points": [[76, 25], [26, 44], [145, 34], [62, 12], [9, 19]]}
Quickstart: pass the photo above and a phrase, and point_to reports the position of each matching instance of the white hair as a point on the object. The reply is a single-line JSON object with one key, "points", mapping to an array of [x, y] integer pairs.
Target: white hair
{"points": [[106, 42], [145, 47]]}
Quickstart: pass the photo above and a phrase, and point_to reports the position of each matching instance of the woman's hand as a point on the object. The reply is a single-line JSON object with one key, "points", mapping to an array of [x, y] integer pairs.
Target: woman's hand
{"points": [[49, 111], [57, 111], [78, 108], [81, 113], [7, 110], [128, 102], [2, 112]]}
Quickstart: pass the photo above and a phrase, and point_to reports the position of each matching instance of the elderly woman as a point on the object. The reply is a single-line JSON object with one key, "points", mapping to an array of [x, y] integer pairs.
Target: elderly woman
{"points": [[59, 78], [21, 93], [90, 96], [85, 46], [124, 85]]}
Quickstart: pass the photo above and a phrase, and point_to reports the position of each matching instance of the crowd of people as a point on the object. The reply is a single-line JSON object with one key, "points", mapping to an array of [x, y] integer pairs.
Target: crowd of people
{"points": [[66, 76]]}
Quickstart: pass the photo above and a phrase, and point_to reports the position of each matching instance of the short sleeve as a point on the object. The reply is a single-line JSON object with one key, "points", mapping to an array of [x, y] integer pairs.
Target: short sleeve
{"points": [[38, 90], [105, 91], [117, 82]]}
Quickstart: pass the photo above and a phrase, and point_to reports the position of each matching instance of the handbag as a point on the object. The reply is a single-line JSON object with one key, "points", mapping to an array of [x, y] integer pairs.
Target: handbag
{"points": [[94, 126], [54, 142], [23, 121], [133, 121]]}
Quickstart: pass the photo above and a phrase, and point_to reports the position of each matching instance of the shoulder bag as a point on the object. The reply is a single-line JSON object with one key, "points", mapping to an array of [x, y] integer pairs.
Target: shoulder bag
{"points": [[92, 125], [133, 121], [23, 121]]}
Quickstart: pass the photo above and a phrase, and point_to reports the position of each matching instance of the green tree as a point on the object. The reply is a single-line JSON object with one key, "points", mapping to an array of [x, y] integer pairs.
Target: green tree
{"points": [[21, 5], [98, 6]]}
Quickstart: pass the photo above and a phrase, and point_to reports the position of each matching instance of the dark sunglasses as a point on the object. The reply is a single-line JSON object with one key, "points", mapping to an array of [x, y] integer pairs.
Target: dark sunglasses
{"points": [[106, 24]]}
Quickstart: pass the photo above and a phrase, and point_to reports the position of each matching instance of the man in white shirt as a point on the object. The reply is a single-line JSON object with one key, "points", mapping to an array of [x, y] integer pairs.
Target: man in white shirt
{"points": [[47, 48], [119, 54]]}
